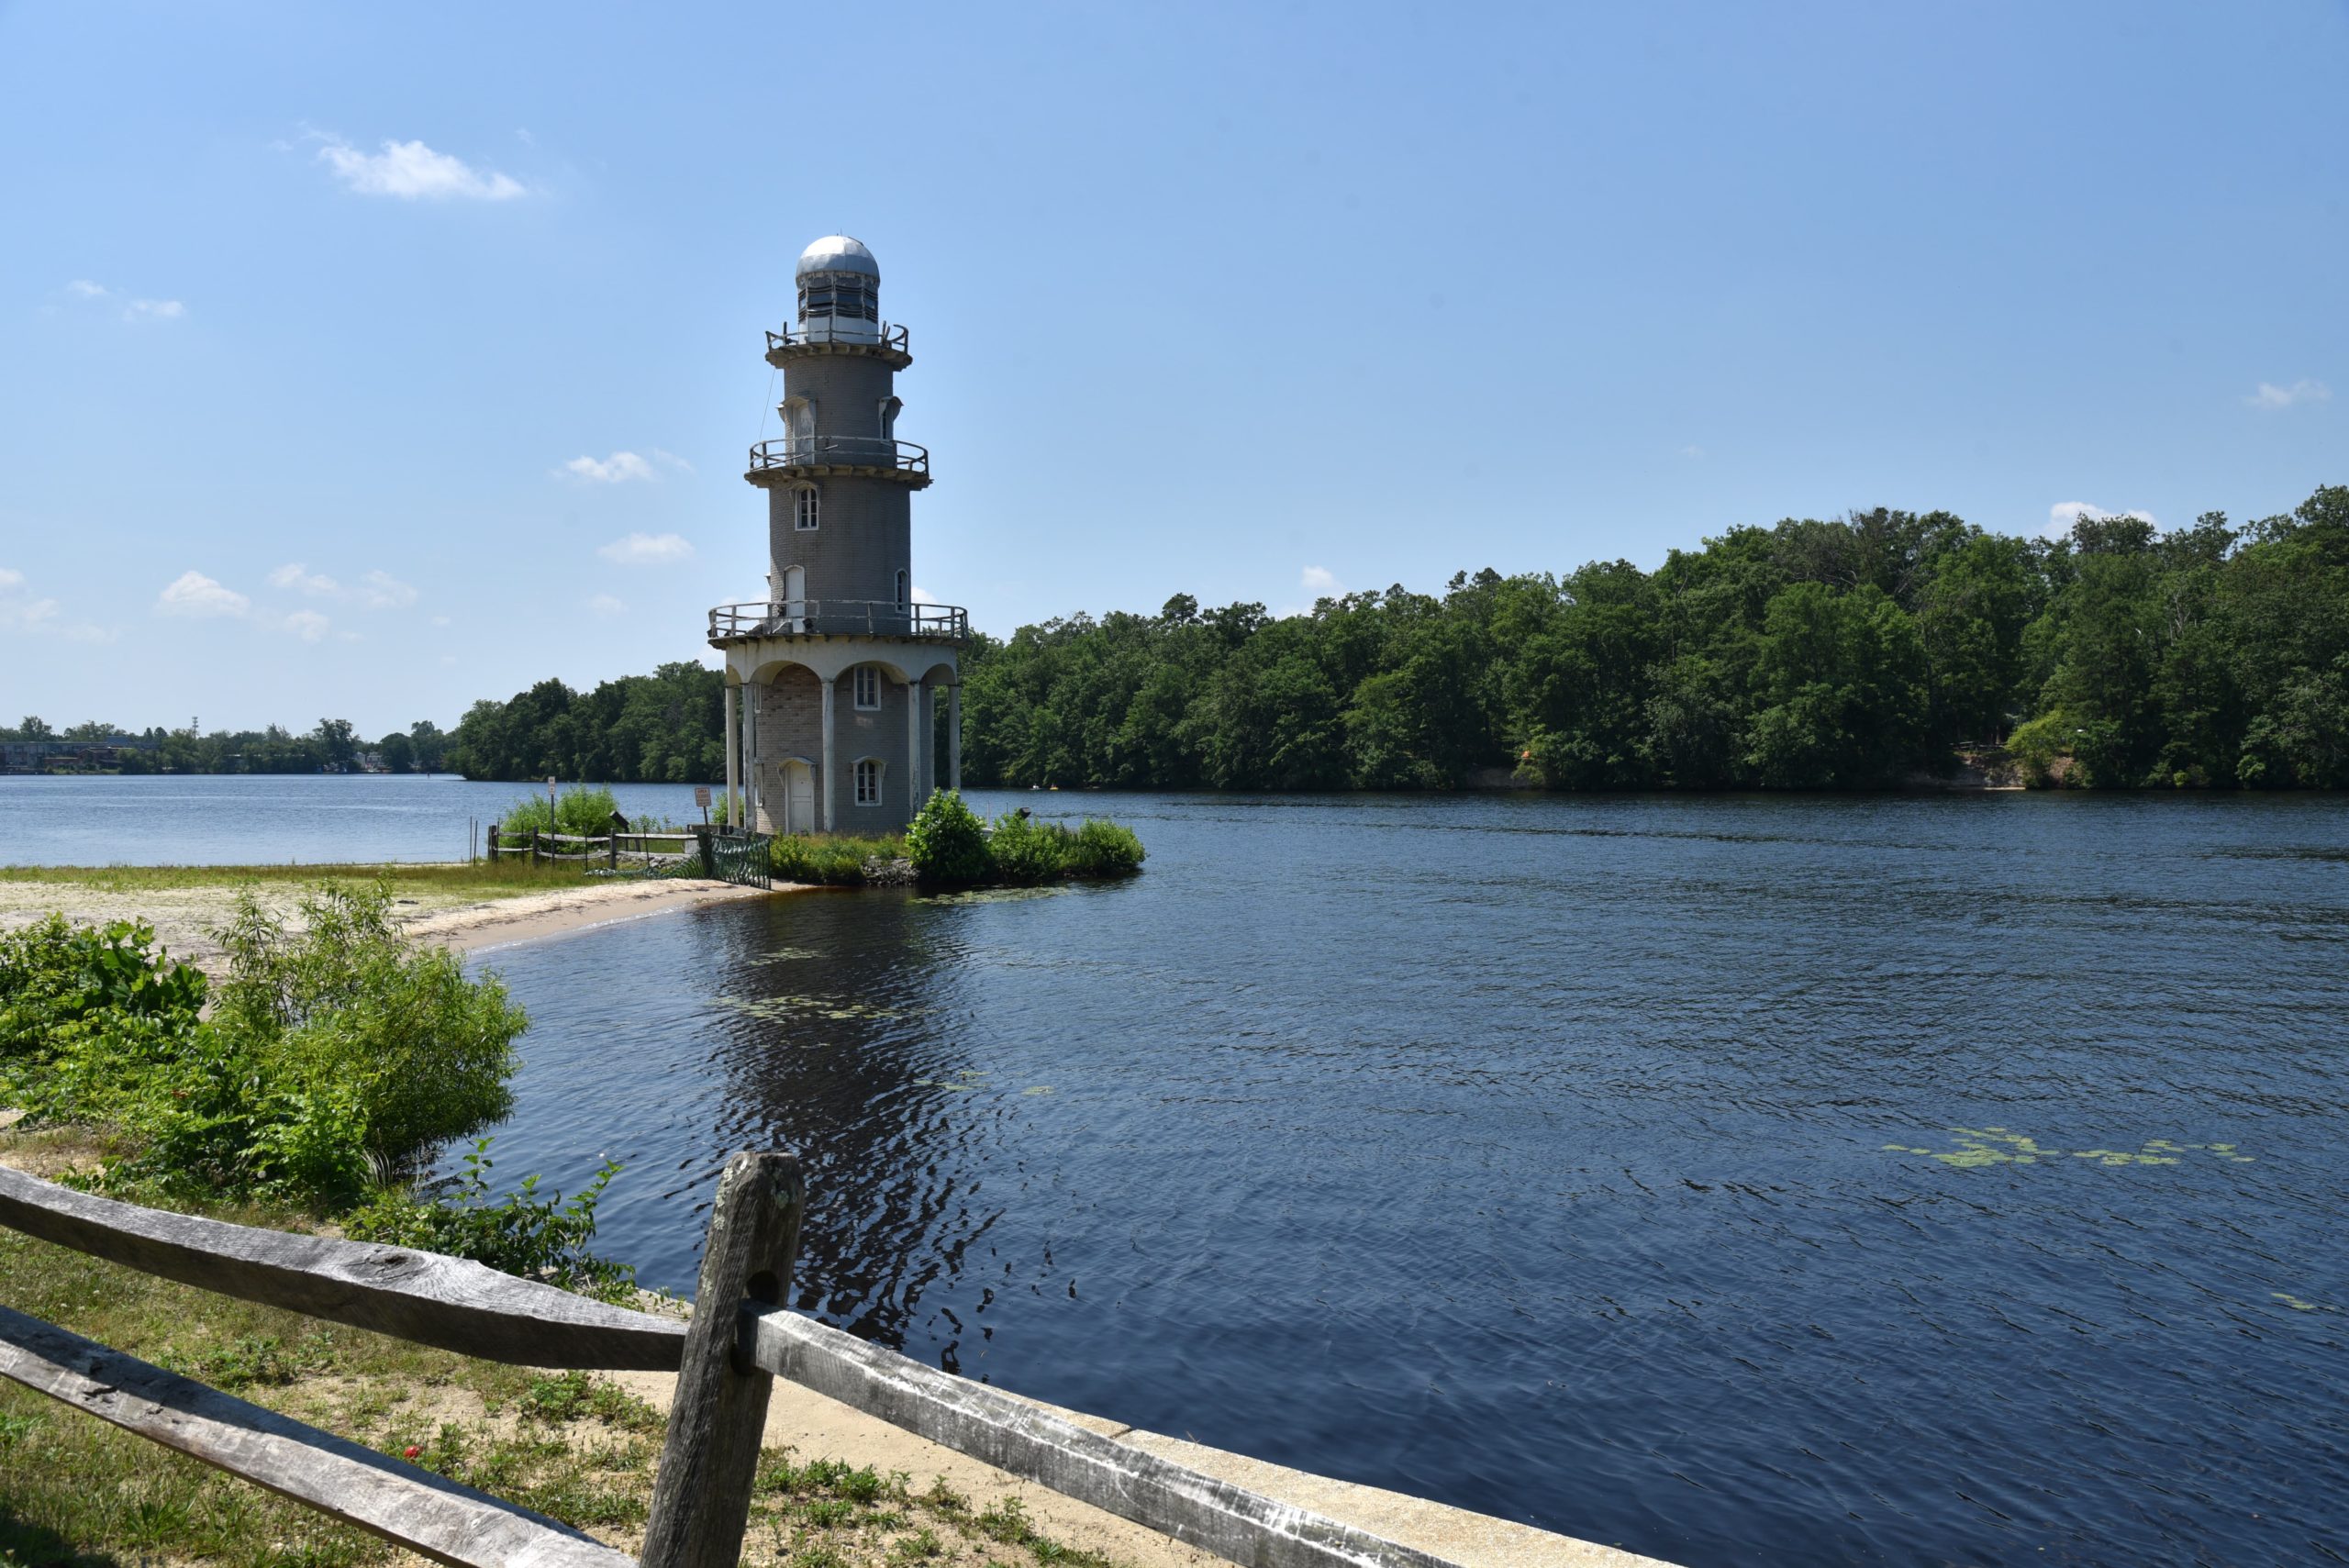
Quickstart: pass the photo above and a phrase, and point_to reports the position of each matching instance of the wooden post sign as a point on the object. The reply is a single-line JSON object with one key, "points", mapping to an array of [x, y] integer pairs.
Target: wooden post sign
{"points": [[701, 798]]}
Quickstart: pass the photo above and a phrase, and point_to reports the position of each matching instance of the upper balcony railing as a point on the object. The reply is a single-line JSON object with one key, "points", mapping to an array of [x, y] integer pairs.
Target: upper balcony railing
{"points": [[840, 618], [884, 335], [839, 452]]}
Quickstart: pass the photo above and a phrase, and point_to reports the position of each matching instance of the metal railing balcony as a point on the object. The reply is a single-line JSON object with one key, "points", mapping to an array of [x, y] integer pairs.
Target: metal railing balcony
{"points": [[839, 452], [866, 334], [840, 618]]}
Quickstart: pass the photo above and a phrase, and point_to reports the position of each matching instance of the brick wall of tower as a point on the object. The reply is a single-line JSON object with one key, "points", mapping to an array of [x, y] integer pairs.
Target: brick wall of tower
{"points": [[864, 537], [790, 724]]}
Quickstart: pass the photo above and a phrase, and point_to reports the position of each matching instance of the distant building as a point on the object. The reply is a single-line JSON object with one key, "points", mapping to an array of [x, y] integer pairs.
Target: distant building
{"points": [[833, 681]]}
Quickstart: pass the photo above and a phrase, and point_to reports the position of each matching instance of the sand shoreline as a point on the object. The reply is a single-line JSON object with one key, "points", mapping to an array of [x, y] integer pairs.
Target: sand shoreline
{"points": [[185, 917]]}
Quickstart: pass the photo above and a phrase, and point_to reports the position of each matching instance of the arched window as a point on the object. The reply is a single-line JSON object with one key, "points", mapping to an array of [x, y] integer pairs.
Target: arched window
{"points": [[805, 514], [868, 781], [905, 599], [865, 687]]}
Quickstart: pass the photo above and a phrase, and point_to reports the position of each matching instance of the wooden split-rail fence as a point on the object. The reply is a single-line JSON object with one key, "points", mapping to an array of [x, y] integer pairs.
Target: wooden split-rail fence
{"points": [[613, 849], [740, 1339]]}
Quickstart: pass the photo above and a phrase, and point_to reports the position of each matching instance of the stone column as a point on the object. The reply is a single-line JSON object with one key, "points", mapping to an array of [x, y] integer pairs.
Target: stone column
{"points": [[751, 755], [913, 747], [733, 749], [825, 782], [954, 735]]}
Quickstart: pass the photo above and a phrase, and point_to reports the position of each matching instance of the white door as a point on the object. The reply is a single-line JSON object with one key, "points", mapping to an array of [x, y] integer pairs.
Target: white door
{"points": [[798, 798], [795, 597]]}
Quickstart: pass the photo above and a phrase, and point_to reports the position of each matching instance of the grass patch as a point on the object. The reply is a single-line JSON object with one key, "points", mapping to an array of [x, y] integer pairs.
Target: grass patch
{"points": [[503, 879], [833, 860]]}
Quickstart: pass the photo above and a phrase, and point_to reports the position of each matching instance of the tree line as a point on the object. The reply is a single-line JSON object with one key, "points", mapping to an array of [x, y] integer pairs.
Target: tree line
{"points": [[1855, 652], [335, 745], [1850, 653]]}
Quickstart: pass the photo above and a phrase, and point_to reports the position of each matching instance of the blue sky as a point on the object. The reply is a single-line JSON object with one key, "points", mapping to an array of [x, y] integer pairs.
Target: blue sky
{"points": [[344, 352]]}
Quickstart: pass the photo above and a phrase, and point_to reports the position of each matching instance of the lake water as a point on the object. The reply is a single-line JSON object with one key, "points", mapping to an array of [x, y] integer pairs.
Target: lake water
{"points": [[232, 820], [1776, 1181]]}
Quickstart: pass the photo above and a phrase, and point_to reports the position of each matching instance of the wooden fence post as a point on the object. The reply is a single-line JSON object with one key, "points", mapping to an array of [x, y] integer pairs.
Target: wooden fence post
{"points": [[701, 1496], [493, 843]]}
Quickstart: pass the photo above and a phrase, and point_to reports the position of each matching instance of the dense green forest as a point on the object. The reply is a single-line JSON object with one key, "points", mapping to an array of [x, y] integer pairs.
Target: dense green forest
{"points": [[1810, 655], [665, 727]]}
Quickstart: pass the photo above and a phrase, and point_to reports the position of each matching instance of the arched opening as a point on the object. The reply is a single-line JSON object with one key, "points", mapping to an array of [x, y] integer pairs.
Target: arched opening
{"points": [[795, 597], [798, 426], [807, 513], [905, 593], [889, 406]]}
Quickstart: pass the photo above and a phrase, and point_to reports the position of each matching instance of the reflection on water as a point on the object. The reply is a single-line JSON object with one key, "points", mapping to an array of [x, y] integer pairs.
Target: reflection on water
{"points": [[1742, 1179]]}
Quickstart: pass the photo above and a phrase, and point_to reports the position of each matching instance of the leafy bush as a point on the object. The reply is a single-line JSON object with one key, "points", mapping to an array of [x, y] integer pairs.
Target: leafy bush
{"points": [[579, 809], [52, 974], [1028, 850], [947, 842], [522, 1233], [1102, 848]]}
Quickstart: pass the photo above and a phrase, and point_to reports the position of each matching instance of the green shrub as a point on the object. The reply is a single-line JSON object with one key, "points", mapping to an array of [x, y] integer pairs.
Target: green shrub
{"points": [[947, 842], [52, 974], [830, 859], [580, 809], [1102, 848], [522, 1233], [1027, 850]]}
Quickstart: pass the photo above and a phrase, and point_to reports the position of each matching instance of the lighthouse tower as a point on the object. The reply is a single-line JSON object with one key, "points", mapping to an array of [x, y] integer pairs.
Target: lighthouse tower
{"points": [[833, 679]]}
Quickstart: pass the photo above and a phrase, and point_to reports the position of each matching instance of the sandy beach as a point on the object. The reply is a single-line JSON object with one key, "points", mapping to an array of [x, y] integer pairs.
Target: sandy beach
{"points": [[184, 917]]}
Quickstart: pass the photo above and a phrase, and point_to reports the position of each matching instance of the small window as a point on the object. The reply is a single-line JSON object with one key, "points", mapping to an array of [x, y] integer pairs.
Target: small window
{"points": [[867, 688], [804, 513], [901, 591], [868, 781]]}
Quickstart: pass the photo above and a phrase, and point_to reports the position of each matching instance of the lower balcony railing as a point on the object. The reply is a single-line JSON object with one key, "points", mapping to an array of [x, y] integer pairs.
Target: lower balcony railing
{"points": [[839, 452], [840, 618]]}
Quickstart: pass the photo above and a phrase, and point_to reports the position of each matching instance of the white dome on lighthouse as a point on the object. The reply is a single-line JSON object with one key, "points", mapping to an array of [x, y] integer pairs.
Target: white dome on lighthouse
{"points": [[837, 253]]}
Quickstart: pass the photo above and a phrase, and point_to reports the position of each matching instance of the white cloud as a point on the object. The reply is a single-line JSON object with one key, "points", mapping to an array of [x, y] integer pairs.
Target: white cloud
{"points": [[133, 310], [673, 459], [2270, 395], [411, 171], [647, 549], [1321, 580], [194, 593], [921, 595], [296, 576], [20, 611], [613, 470], [604, 604], [2064, 514], [379, 590], [308, 625]]}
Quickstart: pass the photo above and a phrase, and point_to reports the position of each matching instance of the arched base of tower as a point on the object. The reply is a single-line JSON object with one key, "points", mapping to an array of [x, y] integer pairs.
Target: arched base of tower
{"points": [[838, 734]]}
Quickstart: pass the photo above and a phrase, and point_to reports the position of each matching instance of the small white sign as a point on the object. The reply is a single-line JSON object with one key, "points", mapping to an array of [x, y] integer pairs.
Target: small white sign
{"points": [[701, 796]]}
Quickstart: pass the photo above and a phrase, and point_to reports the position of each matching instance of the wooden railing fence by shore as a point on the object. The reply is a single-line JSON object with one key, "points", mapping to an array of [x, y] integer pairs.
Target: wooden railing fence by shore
{"points": [[640, 850], [740, 1339]]}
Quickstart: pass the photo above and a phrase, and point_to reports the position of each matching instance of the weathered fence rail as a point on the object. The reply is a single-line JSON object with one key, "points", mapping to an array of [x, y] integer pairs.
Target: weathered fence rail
{"points": [[541, 844], [726, 1362]]}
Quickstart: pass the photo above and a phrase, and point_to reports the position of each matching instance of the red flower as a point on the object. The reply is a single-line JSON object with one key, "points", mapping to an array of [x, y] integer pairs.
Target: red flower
{"points": [[410, 1451]]}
